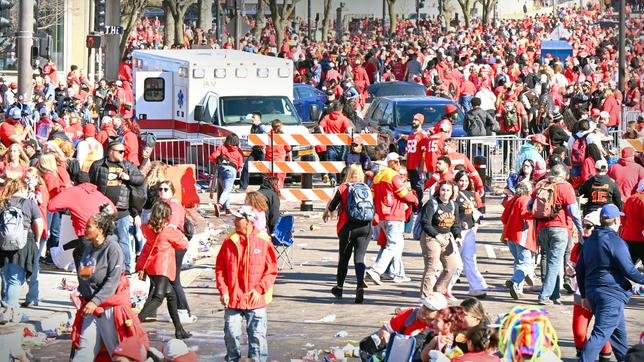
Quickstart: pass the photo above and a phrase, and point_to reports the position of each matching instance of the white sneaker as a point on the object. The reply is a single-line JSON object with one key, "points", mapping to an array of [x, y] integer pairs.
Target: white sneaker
{"points": [[373, 276], [403, 279], [186, 318]]}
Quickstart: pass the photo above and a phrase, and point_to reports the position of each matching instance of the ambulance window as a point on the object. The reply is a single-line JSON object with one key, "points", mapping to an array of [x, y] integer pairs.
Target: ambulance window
{"points": [[287, 107], [154, 89], [210, 112]]}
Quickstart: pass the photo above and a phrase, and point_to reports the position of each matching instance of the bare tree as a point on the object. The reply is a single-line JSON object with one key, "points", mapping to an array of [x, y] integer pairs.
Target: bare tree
{"points": [[178, 10], [130, 12], [467, 6], [50, 14], [488, 8], [393, 17], [326, 20], [280, 16], [260, 19], [205, 14]]}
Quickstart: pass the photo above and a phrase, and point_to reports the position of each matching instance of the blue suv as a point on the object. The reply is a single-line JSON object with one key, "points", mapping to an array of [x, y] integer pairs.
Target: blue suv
{"points": [[309, 102], [391, 116]]}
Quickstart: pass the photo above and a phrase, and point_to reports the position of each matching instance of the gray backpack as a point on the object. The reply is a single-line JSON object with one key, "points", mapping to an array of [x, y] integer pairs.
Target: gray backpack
{"points": [[13, 235]]}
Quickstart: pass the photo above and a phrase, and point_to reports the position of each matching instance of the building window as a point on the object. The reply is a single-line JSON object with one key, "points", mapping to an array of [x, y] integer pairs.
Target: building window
{"points": [[154, 89]]}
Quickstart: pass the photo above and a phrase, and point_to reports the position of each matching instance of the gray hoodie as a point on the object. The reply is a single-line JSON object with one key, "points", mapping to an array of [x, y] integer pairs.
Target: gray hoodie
{"points": [[104, 279]]}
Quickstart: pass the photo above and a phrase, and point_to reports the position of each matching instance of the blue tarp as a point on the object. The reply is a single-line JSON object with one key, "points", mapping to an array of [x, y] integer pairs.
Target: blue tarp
{"points": [[556, 48]]}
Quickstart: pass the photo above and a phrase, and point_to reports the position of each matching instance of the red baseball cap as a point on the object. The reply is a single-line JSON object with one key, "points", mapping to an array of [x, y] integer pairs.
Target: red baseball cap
{"points": [[539, 138], [450, 108], [595, 112]]}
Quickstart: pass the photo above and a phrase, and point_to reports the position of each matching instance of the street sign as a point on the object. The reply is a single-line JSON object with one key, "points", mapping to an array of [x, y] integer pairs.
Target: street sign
{"points": [[109, 29]]}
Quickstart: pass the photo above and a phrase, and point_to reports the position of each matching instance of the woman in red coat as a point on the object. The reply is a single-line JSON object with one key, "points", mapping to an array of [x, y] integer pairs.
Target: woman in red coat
{"points": [[131, 141], [229, 159], [157, 260], [520, 236], [612, 106]]}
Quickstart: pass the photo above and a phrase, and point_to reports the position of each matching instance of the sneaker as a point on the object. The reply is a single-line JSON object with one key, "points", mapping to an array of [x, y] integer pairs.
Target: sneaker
{"points": [[333, 182], [557, 301], [529, 280], [480, 294], [544, 302], [568, 285], [186, 318], [373, 276], [513, 288], [387, 276], [450, 298], [403, 279]]}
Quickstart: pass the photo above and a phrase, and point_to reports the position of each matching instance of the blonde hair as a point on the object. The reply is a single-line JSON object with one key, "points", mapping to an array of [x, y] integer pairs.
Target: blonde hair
{"points": [[32, 171], [12, 187], [354, 174], [53, 149], [155, 172], [67, 148], [257, 200], [47, 163], [22, 156]]}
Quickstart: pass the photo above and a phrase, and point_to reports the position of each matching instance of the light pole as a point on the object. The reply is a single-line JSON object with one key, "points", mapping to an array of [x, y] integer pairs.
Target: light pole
{"points": [[622, 43], [308, 18], [384, 14], [25, 40]]}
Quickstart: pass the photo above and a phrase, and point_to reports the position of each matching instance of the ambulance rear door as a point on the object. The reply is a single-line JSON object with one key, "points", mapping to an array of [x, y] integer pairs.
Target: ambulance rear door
{"points": [[154, 98]]}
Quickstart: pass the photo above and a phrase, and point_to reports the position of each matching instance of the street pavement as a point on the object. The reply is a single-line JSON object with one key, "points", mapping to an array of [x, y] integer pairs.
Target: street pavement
{"points": [[304, 318]]}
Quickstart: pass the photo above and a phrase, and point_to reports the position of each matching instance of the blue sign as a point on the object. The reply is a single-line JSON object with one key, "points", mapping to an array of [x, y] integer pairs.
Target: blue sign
{"points": [[180, 98]]}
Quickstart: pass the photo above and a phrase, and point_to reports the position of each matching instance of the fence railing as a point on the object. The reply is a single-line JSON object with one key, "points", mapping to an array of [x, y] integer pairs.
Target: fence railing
{"points": [[188, 151]]}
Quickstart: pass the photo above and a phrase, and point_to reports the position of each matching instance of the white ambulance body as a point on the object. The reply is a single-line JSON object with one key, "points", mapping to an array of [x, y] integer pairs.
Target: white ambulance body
{"points": [[197, 93]]}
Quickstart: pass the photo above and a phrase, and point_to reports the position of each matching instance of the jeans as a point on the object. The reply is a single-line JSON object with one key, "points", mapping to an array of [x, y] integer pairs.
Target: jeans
{"points": [[226, 176], [553, 241], [96, 331], [468, 256], [609, 325], [33, 294], [14, 275], [256, 322], [466, 103], [335, 153], [392, 252], [53, 220], [123, 226], [523, 263], [244, 177], [139, 240]]}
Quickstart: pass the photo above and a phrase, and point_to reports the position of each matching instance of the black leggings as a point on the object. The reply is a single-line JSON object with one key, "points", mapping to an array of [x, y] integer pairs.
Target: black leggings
{"points": [[161, 289], [354, 239], [182, 302]]}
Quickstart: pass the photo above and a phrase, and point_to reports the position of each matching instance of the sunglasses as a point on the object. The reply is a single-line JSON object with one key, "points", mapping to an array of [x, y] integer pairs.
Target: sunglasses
{"points": [[119, 151], [588, 226], [164, 189]]}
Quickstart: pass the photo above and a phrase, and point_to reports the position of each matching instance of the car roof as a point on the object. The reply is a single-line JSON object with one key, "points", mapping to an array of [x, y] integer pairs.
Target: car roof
{"points": [[424, 99]]}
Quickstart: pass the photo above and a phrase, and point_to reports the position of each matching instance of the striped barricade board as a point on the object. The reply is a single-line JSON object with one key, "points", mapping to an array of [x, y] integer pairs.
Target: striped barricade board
{"points": [[312, 139], [306, 194], [296, 166]]}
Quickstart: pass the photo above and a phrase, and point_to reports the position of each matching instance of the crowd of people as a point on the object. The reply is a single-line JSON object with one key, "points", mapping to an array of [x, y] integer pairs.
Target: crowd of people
{"points": [[573, 206]]}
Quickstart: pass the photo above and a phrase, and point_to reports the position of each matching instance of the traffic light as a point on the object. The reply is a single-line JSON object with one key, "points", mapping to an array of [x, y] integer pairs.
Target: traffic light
{"points": [[93, 41], [100, 8], [5, 18]]}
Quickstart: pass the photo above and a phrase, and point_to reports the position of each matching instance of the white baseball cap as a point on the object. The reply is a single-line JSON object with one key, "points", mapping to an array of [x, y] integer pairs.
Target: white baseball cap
{"points": [[434, 301], [601, 164], [392, 156]]}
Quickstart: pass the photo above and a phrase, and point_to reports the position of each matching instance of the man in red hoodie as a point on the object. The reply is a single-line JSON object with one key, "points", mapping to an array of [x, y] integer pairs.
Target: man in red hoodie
{"points": [[245, 282], [390, 196], [627, 173], [335, 123]]}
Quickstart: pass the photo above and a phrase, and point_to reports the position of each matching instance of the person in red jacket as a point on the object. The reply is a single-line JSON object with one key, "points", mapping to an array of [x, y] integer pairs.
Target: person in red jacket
{"points": [[131, 141], [612, 106], [107, 130], [633, 223], [245, 283], [360, 76], [520, 235], [229, 159], [335, 123], [278, 152], [157, 260], [391, 199], [627, 173]]}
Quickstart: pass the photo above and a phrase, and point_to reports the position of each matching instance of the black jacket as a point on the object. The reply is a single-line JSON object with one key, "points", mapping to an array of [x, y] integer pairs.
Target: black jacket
{"points": [[98, 174], [478, 122], [273, 213]]}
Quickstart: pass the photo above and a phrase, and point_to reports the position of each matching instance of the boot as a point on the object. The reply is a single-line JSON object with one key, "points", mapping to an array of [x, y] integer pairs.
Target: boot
{"points": [[337, 292], [359, 295], [182, 334]]}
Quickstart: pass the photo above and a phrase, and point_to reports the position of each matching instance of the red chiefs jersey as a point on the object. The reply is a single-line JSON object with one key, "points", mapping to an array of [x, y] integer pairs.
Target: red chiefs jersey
{"points": [[434, 146], [415, 148]]}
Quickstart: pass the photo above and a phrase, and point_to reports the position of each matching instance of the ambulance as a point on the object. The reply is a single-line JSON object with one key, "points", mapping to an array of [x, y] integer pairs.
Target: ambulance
{"points": [[197, 94]]}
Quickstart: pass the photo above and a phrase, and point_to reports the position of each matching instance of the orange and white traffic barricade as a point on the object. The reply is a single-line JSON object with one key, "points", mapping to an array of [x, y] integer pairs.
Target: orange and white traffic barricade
{"points": [[306, 168]]}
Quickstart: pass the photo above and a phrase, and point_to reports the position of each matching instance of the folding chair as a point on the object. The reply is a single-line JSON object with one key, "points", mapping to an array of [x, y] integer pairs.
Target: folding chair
{"points": [[283, 242]]}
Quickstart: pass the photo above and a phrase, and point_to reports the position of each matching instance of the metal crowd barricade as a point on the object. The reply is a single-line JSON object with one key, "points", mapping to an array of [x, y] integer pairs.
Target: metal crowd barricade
{"points": [[500, 153], [188, 151]]}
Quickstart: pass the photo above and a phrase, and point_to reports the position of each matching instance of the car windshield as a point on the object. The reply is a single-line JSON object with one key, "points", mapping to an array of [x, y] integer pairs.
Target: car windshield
{"points": [[432, 112], [385, 90], [238, 110]]}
